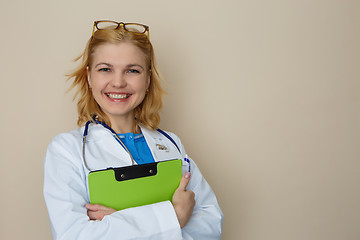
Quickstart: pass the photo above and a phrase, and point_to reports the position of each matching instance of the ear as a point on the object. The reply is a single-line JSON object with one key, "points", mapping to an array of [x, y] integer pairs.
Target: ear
{"points": [[148, 80], [88, 75]]}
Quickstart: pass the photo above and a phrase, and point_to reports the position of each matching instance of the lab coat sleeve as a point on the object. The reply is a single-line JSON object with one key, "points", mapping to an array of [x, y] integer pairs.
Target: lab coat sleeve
{"points": [[207, 218], [65, 193]]}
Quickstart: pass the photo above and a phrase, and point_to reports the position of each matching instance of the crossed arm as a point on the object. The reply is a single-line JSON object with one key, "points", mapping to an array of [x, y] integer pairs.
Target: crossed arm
{"points": [[183, 202]]}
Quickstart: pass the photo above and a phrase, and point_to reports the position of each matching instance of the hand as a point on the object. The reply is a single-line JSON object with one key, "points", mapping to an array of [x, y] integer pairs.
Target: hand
{"points": [[183, 201], [97, 211]]}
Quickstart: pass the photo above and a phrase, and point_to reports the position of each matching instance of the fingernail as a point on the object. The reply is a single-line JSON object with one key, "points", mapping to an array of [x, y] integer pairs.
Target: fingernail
{"points": [[187, 175]]}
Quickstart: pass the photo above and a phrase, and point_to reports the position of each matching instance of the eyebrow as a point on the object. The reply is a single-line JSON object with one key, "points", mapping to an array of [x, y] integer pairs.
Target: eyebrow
{"points": [[135, 65], [102, 63], [128, 66]]}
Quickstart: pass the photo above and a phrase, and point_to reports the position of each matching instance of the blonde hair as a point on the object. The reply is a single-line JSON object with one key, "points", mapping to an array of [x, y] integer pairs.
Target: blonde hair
{"points": [[147, 113]]}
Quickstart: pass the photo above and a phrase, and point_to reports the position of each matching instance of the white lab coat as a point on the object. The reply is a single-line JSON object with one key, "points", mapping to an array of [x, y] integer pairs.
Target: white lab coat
{"points": [[66, 192]]}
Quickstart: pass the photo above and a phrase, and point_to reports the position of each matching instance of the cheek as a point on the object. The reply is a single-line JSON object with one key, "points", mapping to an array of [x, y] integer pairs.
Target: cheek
{"points": [[96, 83], [138, 84]]}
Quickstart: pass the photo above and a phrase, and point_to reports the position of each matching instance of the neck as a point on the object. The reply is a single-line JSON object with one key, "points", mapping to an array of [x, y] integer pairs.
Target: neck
{"points": [[122, 124]]}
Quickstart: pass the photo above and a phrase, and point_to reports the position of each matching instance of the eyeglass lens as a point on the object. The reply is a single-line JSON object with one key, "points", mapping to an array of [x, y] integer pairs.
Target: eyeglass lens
{"points": [[131, 27]]}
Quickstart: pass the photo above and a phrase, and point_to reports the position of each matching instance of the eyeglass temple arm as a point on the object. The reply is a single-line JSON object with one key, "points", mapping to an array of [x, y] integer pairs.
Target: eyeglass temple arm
{"points": [[93, 29]]}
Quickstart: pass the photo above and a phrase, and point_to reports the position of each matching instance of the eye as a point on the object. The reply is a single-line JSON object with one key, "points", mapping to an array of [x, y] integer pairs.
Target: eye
{"points": [[104, 69], [133, 71]]}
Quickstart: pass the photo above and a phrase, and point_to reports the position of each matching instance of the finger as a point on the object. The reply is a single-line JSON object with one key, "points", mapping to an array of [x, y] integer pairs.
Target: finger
{"points": [[94, 207], [91, 215], [185, 181], [90, 206], [95, 214]]}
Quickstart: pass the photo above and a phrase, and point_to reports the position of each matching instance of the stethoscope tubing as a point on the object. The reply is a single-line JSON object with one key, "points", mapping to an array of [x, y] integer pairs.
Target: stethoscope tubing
{"points": [[117, 138]]}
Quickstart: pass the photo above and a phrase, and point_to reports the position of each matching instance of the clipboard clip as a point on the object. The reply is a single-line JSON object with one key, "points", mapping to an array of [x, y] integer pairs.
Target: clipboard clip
{"points": [[135, 171]]}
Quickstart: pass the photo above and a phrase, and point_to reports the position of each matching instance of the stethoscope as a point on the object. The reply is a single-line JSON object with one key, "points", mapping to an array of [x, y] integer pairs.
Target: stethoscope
{"points": [[117, 138], [86, 129]]}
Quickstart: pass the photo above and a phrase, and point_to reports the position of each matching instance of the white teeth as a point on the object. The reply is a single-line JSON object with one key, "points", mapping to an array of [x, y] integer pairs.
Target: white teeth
{"points": [[117, 96]]}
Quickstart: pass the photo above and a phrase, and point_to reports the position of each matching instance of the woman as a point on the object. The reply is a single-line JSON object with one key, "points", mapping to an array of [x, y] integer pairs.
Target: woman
{"points": [[118, 87]]}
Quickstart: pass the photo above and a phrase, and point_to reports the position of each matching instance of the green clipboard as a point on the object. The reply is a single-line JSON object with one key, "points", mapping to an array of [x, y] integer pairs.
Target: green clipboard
{"points": [[136, 185]]}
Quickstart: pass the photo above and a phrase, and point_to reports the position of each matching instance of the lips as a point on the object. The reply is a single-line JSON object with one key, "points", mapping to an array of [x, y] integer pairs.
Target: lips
{"points": [[118, 96]]}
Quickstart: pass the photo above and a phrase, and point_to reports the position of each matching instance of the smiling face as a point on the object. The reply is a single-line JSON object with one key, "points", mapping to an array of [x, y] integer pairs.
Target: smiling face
{"points": [[118, 77]]}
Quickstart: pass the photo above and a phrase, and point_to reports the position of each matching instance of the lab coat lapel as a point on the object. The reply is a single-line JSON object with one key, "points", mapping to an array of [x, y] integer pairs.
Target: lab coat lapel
{"points": [[160, 147], [103, 151]]}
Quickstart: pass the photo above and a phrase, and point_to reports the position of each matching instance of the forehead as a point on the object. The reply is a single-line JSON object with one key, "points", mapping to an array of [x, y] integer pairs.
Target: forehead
{"points": [[118, 54]]}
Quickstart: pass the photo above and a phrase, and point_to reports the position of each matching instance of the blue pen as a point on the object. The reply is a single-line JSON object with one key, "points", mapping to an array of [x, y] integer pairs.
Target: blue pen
{"points": [[187, 160]]}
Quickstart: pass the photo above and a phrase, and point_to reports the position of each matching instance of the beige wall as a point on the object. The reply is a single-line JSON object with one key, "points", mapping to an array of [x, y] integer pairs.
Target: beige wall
{"points": [[264, 94]]}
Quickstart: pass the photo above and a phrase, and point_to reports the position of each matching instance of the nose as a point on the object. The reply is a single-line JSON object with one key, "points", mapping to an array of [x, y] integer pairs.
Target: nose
{"points": [[119, 80]]}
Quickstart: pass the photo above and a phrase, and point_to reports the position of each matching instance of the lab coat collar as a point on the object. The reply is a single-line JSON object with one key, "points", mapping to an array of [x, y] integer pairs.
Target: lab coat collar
{"points": [[160, 147]]}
